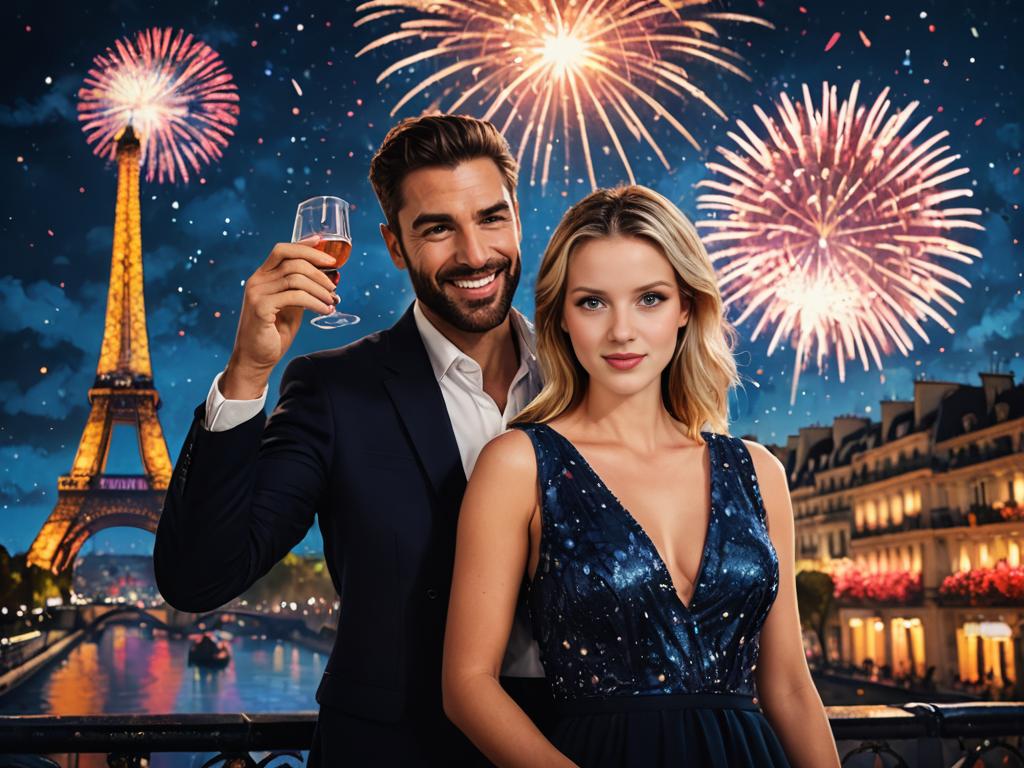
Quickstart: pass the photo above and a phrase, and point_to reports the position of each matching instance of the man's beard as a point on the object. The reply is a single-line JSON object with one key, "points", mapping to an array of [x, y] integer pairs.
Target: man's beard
{"points": [[476, 315]]}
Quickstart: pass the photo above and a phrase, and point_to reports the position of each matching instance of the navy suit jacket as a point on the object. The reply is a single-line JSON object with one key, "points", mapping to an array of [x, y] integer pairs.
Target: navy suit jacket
{"points": [[361, 439]]}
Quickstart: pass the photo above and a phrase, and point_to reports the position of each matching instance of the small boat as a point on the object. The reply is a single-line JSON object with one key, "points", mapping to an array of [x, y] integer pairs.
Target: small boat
{"points": [[207, 652]]}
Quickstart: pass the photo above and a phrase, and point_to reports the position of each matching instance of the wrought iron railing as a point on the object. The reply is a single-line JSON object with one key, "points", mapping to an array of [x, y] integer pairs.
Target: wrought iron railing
{"points": [[919, 735]]}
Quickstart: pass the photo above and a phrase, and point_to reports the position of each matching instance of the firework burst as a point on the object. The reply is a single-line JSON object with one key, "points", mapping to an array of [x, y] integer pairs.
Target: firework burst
{"points": [[556, 70], [172, 89], [831, 224]]}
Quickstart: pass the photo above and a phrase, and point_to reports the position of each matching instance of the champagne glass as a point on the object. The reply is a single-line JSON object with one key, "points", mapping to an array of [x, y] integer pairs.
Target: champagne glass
{"points": [[327, 217]]}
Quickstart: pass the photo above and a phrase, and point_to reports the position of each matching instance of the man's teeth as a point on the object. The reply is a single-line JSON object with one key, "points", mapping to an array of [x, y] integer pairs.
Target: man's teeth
{"points": [[476, 283]]}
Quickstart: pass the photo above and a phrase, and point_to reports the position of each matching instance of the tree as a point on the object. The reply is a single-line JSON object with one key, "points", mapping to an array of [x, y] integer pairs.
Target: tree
{"points": [[815, 602], [31, 585], [6, 576]]}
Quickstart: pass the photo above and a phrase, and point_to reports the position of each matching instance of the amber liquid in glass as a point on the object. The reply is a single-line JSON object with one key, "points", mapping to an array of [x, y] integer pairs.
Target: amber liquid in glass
{"points": [[340, 249]]}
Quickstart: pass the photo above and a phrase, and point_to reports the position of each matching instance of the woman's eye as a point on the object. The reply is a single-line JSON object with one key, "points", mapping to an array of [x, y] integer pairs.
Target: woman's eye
{"points": [[591, 302], [651, 299]]}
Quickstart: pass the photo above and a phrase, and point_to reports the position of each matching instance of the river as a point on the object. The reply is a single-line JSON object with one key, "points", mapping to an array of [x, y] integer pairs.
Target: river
{"points": [[131, 669]]}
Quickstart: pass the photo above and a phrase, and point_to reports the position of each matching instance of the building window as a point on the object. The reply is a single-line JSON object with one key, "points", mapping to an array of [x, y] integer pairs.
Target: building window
{"points": [[965, 558], [969, 420], [985, 652], [896, 508], [867, 642], [979, 492], [907, 646]]}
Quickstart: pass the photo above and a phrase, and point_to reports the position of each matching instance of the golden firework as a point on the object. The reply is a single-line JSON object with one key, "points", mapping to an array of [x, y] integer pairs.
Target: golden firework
{"points": [[560, 70]]}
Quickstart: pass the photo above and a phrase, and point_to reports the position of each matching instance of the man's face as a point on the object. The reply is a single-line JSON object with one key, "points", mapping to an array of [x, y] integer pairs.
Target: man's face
{"points": [[460, 237]]}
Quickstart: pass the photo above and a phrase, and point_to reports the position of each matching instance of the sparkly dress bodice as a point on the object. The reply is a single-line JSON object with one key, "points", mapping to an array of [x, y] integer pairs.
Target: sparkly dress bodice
{"points": [[604, 609]]}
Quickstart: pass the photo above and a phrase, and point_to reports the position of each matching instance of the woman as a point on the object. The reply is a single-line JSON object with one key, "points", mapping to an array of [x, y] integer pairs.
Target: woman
{"points": [[659, 556]]}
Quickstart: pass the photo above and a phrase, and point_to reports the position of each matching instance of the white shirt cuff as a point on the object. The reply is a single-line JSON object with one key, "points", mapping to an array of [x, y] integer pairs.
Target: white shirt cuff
{"points": [[223, 414]]}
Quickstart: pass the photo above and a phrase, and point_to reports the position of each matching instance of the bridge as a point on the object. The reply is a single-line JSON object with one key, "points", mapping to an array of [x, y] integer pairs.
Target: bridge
{"points": [[94, 617]]}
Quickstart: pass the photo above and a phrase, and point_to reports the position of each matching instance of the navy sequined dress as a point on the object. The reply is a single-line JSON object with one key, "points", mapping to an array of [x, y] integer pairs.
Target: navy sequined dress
{"points": [[640, 678]]}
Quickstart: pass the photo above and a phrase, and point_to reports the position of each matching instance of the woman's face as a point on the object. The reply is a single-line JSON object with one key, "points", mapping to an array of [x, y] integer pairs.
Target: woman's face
{"points": [[622, 312]]}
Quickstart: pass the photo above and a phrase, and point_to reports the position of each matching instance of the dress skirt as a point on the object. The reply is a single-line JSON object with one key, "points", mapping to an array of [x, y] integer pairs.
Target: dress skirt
{"points": [[708, 730]]}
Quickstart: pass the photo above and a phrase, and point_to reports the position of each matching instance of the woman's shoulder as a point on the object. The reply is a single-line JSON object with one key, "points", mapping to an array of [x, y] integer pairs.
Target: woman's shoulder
{"points": [[763, 458], [768, 468], [772, 481], [512, 449], [505, 472]]}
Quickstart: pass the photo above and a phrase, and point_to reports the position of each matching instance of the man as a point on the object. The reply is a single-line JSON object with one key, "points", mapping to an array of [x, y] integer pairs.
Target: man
{"points": [[376, 439]]}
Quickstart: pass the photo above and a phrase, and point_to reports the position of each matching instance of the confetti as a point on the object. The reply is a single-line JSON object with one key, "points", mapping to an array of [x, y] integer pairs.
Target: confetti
{"points": [[832, 41], [295, 85], [864, 38], [974, 32], [979, 121]]}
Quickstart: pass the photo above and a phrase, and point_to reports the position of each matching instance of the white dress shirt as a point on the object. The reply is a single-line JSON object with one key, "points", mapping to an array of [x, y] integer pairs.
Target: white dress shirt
{"points": [[475, 420]]}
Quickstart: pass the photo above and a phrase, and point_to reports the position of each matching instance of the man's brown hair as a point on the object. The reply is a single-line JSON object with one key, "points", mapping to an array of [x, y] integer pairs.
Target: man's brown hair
{"points": [[434, 140]]}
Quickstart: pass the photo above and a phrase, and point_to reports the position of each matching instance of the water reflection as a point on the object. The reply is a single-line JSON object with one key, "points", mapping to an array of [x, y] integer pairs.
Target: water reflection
{"points": [[132, 669]]}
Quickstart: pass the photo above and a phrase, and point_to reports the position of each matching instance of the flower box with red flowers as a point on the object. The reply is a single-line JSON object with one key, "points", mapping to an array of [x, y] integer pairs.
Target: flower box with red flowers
{"points": [[854, 586], [1002, 584]]}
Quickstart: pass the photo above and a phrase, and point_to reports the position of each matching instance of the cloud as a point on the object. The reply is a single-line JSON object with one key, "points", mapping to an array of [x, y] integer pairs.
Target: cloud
{"points": [[51, 312], [228, 203], [219, 38], [54, 105], [997, 323], [1010, 135], [22, 466]]}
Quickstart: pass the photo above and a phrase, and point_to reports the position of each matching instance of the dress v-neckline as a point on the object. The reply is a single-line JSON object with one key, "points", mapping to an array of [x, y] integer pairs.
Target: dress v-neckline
{"points": [[639, 529]]}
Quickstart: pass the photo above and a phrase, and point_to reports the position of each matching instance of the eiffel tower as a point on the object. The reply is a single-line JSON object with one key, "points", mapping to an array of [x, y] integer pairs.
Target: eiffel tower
{"points": [[88, 499]]}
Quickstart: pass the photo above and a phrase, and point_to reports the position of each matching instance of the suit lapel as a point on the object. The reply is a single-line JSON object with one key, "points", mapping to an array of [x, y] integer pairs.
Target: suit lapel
{"points": [[417, 398]]}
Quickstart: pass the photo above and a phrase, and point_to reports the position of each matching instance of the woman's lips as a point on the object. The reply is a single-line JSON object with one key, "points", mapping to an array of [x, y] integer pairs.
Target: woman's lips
{"points": [[624, 362]]}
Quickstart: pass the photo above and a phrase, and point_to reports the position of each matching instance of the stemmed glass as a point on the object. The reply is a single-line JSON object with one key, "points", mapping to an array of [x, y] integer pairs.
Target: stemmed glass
{"points": [[327, 217]]}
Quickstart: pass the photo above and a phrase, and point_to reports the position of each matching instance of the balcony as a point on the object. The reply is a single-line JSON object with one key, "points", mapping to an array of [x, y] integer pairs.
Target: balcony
{"points": [[977, 514], [909, 523], [864, 476], [973, 454], [808, 552], [837, 514], [916, 735]]}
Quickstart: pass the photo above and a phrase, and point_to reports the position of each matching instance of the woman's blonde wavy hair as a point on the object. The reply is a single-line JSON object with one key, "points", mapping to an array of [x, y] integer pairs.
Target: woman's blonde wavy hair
{"points": [[696, 383]]}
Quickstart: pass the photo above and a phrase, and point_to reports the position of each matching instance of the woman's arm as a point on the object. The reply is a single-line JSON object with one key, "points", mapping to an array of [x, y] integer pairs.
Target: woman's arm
{"points": [[490, 559], [784, 685]]}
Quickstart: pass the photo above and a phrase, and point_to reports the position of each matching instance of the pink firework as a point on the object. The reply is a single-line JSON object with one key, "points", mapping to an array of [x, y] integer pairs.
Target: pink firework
{"points": [[172, 89], [831, 224]]}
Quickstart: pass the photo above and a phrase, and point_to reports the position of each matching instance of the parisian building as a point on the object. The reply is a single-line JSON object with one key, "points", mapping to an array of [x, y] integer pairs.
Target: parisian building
{"points": [[927, 507]]}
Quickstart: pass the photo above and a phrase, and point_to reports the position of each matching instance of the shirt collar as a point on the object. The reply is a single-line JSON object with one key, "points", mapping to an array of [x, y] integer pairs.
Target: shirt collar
{"points": [[443, 354]]}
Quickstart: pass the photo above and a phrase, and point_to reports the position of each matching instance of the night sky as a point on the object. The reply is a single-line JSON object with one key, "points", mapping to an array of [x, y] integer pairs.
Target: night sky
{"points": [[960, 60]]}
